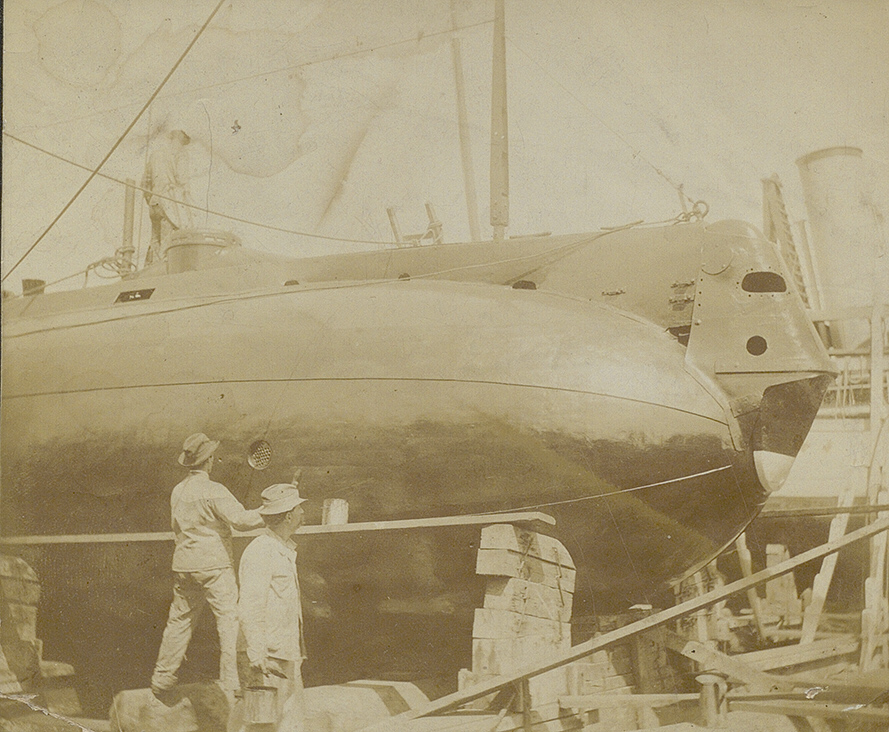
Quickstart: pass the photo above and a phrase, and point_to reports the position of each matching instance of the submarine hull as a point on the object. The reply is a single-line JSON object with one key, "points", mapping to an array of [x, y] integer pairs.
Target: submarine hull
{"points": [[407, 399]]}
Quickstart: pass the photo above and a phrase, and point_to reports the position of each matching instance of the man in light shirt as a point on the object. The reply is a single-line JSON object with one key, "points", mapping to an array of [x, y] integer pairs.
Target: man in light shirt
{"points": [[270, 607], [203, 513], [165, 187]]}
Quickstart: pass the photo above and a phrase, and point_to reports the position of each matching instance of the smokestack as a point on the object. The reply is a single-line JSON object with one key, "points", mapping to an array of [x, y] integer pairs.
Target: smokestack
{"points": [[846, 223]]}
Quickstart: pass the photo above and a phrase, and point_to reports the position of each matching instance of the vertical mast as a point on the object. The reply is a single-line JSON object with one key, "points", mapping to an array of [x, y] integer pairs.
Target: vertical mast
{"points": [[463, 125], [127, 250], [499, 128]]}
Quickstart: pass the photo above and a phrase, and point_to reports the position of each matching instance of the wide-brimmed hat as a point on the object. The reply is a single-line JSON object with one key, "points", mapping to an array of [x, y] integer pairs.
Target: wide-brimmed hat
{"points": [[280, 498], [196, 449]]}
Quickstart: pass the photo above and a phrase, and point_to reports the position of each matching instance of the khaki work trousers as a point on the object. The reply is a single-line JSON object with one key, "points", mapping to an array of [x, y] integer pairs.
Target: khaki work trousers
{"points": [[161, 229], [191, 592]]}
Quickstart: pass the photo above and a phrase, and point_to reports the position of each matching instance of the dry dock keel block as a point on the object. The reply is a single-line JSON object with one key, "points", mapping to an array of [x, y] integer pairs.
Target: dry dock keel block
{"points": [[204, 708], [520, 679]]}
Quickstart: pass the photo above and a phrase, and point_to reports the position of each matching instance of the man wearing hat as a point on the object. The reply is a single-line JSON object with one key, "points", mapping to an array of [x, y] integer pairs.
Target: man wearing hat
{"points": [[203, 513], [165, 187], [270, 608]]}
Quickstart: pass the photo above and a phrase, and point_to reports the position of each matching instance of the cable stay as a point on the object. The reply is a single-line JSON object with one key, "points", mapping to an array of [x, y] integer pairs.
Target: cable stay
{"points": [[120, 139]]}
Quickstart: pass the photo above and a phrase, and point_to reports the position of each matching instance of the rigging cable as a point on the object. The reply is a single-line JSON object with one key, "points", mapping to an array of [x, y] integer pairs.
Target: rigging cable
{"points": [[637, 153], [279, 70], [191, 205], [120, 139], [681, 218]]}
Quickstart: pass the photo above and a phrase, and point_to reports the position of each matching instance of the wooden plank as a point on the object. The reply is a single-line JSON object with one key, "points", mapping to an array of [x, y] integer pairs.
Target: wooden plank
{"points": [[746, 561], [506, 563], [602, 701], [811, 708], [875, 616], [522, 517], [496, 656], [528, 598], [812, 613], [526, 543], [826, 511], [712, 660], [477, 691], [781, 597], [793, 655], [504, 624]]}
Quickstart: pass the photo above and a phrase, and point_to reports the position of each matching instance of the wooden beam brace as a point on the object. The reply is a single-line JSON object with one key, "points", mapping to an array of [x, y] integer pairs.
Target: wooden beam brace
{"points": [[793, 655], [520, 517], [746, 561], [821, 584], [736, 670], [826, 511], [457, 699], [608, 701], [812, 709]]}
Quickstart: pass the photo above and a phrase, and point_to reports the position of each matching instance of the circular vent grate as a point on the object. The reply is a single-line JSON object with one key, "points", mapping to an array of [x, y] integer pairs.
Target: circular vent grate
{"points": [[260, 455]]}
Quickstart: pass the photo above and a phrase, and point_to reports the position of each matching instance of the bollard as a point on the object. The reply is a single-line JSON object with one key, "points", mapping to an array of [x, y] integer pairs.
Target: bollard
{"points": [[713, 702]]}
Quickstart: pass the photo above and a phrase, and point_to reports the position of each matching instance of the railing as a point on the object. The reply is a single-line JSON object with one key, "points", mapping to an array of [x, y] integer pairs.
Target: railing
{"points": [[850, 394]]}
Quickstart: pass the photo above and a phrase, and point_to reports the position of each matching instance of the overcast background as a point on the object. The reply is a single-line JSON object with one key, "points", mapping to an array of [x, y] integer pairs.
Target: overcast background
{"points": [[316, 116]]}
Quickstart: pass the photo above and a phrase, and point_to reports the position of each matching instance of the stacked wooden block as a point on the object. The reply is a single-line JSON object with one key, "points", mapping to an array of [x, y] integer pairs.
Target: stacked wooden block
{"points": [[19, 592], [22, 668], [525, 621], [526, 616]]}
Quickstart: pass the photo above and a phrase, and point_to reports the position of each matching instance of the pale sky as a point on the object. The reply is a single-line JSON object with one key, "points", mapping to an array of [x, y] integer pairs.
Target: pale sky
{"points": [[298, 123]]}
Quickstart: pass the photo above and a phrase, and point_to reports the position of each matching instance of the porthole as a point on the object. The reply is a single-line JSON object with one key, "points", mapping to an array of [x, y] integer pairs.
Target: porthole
{"points": [[260, 455], [756, 345], [763, 282]]}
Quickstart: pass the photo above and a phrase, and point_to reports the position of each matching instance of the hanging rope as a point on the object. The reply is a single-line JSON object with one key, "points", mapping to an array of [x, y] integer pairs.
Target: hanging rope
{"points": [[191, 205], [95, 172], [637, 153]]}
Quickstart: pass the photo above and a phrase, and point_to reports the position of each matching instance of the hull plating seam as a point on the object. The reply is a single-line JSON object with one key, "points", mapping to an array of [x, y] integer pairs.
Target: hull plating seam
{"points": [[606, 495], [360, 378]]}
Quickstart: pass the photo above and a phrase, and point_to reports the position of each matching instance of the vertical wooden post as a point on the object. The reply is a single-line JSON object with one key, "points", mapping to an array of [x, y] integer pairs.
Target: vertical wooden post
{"points": [[821, 585], [746, 561], [499, 128], [524, 696], [712, 698], [875, 617], [463, 128]]}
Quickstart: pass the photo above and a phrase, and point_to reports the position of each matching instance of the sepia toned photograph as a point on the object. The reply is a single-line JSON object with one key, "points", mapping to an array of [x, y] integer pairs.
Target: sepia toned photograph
{"points": [[424, 365]]}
